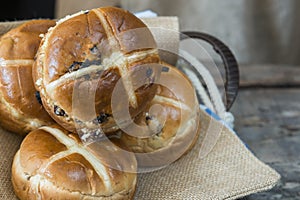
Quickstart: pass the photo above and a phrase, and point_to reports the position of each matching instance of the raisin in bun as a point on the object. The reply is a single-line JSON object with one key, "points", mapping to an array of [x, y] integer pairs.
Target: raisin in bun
{"points": [[91, 51], [170, 124], [20, 110], [53, 164]]}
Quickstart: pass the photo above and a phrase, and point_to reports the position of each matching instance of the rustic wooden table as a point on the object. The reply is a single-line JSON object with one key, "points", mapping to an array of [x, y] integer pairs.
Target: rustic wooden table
{"points": [[267, 119]]}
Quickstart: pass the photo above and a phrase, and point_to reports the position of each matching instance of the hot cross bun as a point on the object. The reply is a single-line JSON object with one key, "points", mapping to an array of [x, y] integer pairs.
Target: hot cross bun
{"points": [[53, 164], [91, 51], [20, 109], [171, 122]]}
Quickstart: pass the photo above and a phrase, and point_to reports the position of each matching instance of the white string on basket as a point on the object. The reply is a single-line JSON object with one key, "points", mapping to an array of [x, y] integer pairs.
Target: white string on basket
{"points": [[212, 99]]}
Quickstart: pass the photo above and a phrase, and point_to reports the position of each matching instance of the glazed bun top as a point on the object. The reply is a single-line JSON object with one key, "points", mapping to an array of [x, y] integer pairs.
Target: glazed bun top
{"points": [[93, 36], [107, 44], [23, 42], [170, 125], [171, 116], [55, 162], [20, 111]]}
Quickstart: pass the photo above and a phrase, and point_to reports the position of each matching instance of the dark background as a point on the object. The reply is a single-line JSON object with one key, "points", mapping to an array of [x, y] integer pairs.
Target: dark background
{"points": [[26, 9]]}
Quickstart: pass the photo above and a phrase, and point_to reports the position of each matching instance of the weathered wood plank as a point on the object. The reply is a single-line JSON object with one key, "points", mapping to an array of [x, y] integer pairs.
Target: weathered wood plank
{"points": [[268, 120], [269, 75]]}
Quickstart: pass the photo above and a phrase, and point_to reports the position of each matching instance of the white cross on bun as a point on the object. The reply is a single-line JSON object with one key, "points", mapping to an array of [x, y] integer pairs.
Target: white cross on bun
{"points": [[53, 164], [171, 121], [104, 44], [20, 110]]}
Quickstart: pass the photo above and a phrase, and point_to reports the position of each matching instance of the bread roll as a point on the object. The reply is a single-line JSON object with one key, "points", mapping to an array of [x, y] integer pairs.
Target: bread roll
{"points": [[91, 51], [20, 110], [170, 123], [53, 164]]}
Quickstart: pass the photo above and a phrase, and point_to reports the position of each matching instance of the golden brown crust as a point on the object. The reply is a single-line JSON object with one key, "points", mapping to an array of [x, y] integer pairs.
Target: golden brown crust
{"points": [[23, 41], [172, 119], [53, 164], [20, 110], [129, 31], [84, 45]]}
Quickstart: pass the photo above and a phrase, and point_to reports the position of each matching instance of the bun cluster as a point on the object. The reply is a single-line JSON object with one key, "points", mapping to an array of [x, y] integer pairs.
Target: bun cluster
{"points": [[95, 102]]}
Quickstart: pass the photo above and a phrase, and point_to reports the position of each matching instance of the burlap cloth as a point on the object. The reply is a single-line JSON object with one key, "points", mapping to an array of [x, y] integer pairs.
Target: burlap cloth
{"points": [[229, 171]]}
